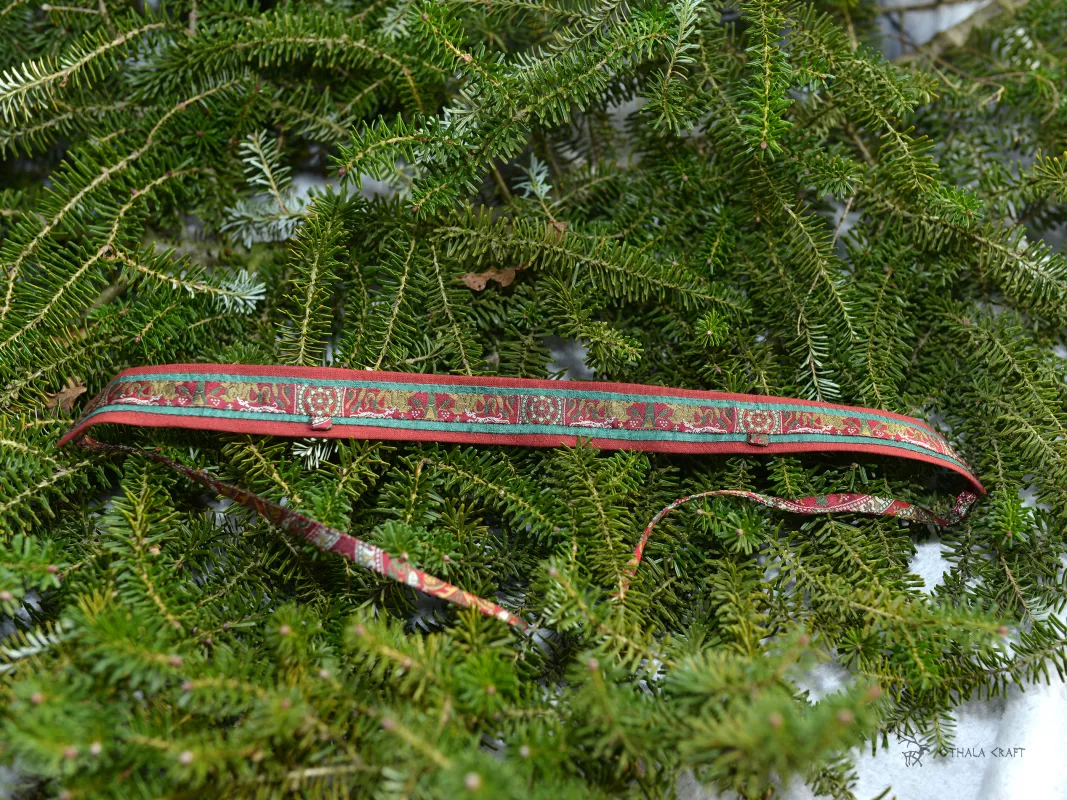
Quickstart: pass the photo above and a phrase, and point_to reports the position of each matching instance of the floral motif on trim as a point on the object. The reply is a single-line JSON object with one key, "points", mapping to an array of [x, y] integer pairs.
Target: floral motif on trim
{"points": [[758, 420], [320, 401], [541, 410]]}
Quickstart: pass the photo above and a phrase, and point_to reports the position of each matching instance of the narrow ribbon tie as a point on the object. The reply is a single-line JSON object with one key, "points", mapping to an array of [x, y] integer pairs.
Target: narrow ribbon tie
{"points": [[847, 502], [322, 536], [338, 403]]}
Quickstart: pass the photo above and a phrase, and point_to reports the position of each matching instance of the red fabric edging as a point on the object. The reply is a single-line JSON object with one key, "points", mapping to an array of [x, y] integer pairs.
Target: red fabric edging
{"points": [[299, 429]]}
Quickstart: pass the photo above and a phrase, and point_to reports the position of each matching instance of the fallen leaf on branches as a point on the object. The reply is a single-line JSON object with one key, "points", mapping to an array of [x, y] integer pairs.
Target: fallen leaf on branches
{"points": [[66, 396], [477, 281]]}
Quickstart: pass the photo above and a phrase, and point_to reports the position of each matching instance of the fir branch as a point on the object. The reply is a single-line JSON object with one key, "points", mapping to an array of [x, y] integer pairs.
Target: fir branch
{"points": [[316, 266], [617, 269], [457, 334], [398, 299], [100, 178], [240, 292], [595, 172], [106, 251], [23, 91], [762, 120]]}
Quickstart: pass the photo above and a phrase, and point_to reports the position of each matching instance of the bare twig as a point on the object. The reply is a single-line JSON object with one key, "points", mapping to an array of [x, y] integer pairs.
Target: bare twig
{"points": [[840, 222], [957, 35]]}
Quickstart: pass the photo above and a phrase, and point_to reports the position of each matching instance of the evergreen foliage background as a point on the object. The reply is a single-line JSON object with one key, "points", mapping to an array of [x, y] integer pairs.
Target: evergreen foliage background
{"points": [[783, 212]]}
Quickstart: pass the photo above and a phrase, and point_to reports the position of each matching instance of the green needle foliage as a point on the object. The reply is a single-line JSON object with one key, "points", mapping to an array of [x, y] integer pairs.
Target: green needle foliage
{"points": [[742, 197]]}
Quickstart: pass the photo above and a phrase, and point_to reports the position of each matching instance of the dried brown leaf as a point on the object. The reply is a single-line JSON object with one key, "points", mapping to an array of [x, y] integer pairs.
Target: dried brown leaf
{"points": [[477, 281], [66, 396]]}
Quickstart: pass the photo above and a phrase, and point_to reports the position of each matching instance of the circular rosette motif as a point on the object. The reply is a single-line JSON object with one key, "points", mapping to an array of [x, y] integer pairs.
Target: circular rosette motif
{"points": [[542, 410], [320, 401], [756, 420]]}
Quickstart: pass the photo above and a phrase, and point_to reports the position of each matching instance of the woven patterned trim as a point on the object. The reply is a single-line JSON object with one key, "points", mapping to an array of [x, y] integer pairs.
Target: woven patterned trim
{"points": [[340, 403], [506, 411]]}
